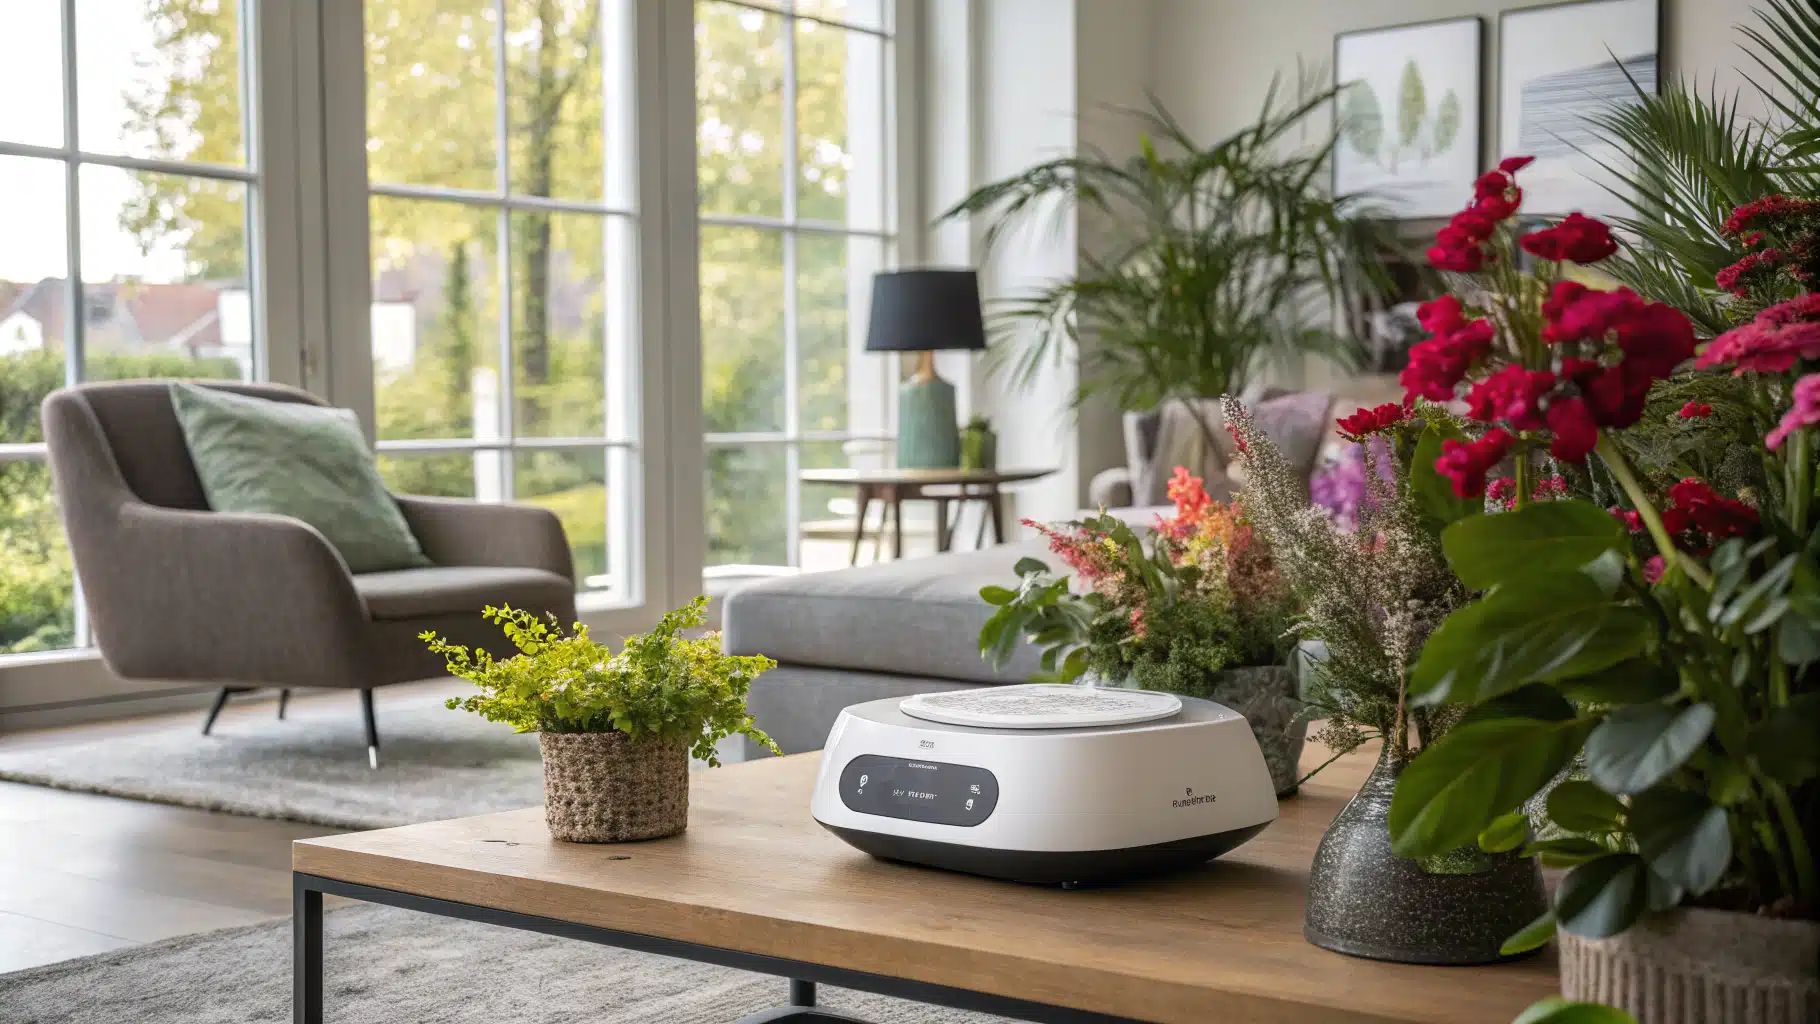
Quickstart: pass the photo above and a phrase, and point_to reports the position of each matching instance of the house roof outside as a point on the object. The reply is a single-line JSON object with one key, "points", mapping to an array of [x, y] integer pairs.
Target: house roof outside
{"points": [[126, 315]]}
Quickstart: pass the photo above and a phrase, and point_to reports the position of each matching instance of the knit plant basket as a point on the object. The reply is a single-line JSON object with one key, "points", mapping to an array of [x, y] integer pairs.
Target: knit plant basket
{"points": [[1698, 966], [604, 787]]}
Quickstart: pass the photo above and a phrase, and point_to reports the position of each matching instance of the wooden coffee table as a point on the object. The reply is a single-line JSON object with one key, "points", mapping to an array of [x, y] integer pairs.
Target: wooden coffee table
{"points": [[893, 487], [757, 885]]}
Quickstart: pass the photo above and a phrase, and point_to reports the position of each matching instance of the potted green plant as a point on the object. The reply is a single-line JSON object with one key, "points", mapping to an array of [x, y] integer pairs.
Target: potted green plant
{"points": [[1370, 592], [1201, 612], [1223, 259], [979, 445], [1639, 678], [616, 728]]}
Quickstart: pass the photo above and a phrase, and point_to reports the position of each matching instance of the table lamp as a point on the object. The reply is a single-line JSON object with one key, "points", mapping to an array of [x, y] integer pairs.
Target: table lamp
{"points": [[924, 311]]}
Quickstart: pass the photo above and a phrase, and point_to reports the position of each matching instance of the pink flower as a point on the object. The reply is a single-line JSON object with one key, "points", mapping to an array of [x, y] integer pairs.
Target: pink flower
{"points": [[1466, 463], [1138, 627], [1579, 238], [1633, 521], [1804, 413], [1760, 347], [1501, 490], [1576, 432], [1654, 568], [1696, 411], [1513, 164], [1512, 395], [1770, 207]]}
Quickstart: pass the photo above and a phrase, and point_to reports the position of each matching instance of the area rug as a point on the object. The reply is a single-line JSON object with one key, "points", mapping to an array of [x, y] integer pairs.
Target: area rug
{"points": [[435, 764], [390, 966]]}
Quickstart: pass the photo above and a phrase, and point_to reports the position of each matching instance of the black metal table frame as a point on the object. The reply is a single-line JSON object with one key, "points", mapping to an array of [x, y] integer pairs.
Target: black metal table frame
{"points": [[307, 948]]}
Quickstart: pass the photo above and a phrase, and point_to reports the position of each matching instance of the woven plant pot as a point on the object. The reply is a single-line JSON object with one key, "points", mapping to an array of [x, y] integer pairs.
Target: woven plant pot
{"points": [[603, 787], [1697, 966]]}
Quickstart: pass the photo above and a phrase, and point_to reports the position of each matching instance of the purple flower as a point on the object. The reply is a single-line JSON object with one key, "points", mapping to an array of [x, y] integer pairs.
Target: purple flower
{"points": [[1339, 485]]}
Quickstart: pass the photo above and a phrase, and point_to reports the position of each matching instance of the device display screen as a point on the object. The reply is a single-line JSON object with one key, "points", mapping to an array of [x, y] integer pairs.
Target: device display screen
{"points": [[933, 791]]}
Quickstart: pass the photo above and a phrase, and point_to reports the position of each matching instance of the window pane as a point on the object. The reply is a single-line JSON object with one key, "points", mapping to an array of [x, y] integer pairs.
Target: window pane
{"points": [[840, 127], [432, 84], [833, 281], [164, 276], [37, 586], [553, 76], [451, 475], [739, 88], [558, 324], [746, 493], [435, 320], [864, 13], [31, 64], [572, 484], [742, 329], [159, 80], [34, 263]]}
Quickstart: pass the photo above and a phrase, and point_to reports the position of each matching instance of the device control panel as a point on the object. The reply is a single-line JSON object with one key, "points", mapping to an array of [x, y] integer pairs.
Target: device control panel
{"points": [[919, 790]]}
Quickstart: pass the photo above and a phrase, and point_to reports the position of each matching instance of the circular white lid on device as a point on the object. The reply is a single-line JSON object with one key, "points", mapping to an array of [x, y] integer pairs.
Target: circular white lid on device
{"points": [[1041, 706]]}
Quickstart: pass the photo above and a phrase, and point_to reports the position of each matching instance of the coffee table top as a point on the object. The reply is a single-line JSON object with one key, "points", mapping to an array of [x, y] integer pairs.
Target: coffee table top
{"points": [[755, 873]]}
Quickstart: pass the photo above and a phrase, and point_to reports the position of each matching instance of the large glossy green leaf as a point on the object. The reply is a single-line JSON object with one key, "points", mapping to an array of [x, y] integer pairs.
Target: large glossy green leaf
{"points": [[1433, 492], [1579, 806], [1549, 627], [1534, 935], [1685, 839], [1603, 897], [1505, 833], [1787, 742], [1637, 746], [1631, 682], [1555, 1010], [1545, 537], [1478, 771]]}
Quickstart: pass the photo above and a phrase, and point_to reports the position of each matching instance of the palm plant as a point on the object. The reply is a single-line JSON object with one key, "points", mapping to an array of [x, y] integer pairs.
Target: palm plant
{"points": [[1230, 256], [1695, 158]]}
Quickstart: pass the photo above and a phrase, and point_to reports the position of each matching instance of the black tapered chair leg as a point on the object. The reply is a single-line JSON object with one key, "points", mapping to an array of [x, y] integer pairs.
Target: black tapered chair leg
{"points": [[366, 711], [284, 699], [221, 700]]}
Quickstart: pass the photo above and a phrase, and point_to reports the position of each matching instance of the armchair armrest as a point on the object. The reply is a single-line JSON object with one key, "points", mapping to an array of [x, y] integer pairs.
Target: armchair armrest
{"points": [[1110, 488], [219, 597], [453, 531]]}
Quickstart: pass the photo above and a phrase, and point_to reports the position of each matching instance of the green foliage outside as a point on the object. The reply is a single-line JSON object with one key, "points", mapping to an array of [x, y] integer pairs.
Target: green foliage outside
{"points": [[661, 685]]}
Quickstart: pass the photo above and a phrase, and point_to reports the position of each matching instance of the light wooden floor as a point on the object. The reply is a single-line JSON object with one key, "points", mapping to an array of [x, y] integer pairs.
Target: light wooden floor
{"points": [[83, 874]]}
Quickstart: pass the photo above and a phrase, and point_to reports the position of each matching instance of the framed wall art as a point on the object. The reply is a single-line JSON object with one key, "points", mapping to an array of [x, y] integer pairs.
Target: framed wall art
{"points": [[1408, 115], [1558, 66]]}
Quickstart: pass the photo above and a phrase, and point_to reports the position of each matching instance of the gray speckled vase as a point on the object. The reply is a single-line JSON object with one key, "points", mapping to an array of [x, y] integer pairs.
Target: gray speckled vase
{"points": [[1367, 902], [1269, 696]]}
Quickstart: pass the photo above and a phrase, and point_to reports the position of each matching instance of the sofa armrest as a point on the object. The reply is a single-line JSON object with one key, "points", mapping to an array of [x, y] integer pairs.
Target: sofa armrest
{"points": [[1110, 488], [453, 531], [218, 597]]}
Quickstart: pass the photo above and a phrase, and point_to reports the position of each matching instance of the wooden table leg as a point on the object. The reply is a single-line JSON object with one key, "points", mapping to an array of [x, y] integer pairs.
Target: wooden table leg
{"points": [[897, 523], [944, 536], [859, 524], [996, 505]]}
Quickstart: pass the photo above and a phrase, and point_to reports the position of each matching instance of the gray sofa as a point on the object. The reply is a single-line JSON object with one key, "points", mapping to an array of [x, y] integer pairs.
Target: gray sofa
{"points": [[906, 627]]}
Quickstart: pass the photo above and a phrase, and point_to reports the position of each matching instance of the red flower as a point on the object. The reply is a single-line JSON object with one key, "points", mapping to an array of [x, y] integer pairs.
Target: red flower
{"points": [[1696, 411], [1466, 463], [1716, 516], [1675, 521], [1440, 363], [1502, 490], [1807, 307], [1513, 164], [1493, 183], [1754, 268], [1804, 413], [1579, 238], [1191, 499], [1613, 397], [1460, 259], [1366, 422], [1654, 568], [1576, 432], [1499, 207], [1471, 226], [1759, 347], [1513, 395], [1771, 207], [1633, 521], [1440, 315]]}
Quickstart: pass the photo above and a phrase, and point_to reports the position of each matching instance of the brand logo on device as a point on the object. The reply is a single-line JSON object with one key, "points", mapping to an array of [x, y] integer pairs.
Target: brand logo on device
{"points": [[926, 744], [1193, 801]]}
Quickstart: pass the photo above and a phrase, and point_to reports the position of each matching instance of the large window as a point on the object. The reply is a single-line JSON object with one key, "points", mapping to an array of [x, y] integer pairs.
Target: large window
{"points": [[128, 191], [500, 152], [794, 128]]}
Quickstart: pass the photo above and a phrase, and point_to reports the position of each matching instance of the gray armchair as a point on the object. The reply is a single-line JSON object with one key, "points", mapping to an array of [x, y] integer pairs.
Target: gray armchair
{"points": [[177, 592]]}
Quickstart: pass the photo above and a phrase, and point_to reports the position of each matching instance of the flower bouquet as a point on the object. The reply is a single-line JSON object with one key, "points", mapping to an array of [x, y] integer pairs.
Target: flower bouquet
{"points": [[1656, 646], [1200, 610]]}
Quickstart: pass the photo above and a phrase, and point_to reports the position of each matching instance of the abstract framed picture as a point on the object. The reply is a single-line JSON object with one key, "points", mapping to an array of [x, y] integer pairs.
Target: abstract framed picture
{"points": [[1408, 115], [1559, 66]]}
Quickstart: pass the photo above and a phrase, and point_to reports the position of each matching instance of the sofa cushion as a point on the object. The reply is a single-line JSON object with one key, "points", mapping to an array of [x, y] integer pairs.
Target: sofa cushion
{"points": [[461, 590], [916, 617]]}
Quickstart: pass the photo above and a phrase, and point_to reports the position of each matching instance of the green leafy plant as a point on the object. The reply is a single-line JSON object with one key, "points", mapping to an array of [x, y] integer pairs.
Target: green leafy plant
{"points": [[1227, 257], [662, 685]]}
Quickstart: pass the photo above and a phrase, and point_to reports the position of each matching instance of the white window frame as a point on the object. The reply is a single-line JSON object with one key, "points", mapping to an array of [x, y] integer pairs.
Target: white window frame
{"points": [[872, 379]]}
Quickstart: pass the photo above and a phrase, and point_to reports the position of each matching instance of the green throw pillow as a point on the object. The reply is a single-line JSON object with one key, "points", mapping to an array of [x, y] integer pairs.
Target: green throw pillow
{"points": [[297, 460]]}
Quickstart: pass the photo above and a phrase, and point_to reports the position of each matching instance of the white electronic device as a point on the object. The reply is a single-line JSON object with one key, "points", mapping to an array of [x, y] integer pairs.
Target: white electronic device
{"points": [[1044, 783]]}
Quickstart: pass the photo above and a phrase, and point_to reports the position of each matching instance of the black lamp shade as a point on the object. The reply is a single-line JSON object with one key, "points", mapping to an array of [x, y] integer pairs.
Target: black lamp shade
{"points": [[925, 310]]}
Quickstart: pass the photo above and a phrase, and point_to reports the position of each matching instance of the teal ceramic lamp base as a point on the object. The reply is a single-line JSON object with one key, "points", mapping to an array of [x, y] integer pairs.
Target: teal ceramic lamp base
{"points": [[928, 437]]}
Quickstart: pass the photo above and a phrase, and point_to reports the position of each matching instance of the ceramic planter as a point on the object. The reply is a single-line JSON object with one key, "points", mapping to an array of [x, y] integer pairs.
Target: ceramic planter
{"points": [[1697, 966], [607, 788], [1367, 902]]}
